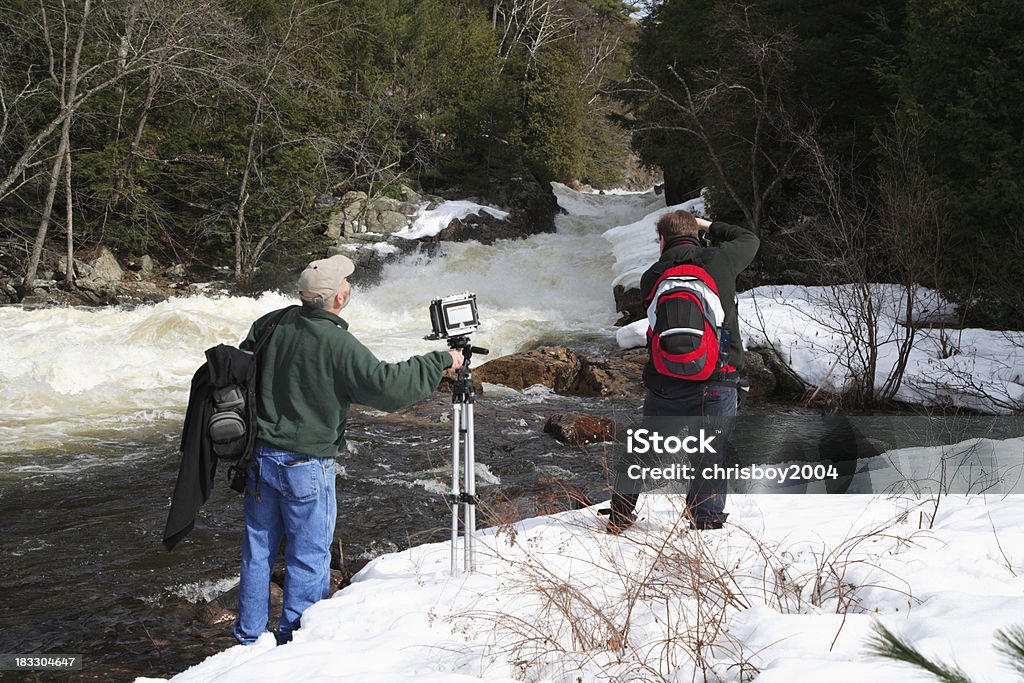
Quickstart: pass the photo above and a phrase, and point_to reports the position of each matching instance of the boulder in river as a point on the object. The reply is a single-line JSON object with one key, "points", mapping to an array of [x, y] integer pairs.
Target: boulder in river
{"points": [[578, 429], [555, 367], [617, 374], [223, 609], [629, 304]]}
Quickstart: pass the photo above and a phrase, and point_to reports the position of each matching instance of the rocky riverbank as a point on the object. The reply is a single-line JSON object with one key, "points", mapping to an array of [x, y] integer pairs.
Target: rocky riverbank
{"points": [[371, 229], [617, 374]]}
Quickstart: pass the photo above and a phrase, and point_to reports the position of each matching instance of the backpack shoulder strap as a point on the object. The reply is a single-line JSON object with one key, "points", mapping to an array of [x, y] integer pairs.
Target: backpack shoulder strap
{"points": [[269, 331], [237, 472]]}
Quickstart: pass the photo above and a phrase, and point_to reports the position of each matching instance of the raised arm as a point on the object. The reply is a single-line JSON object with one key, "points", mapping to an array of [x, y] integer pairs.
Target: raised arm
{"points": [[737, 245]]}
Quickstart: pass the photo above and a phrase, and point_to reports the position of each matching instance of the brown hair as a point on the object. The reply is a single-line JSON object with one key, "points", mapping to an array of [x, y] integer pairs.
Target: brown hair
{"points": [[677, 224]]}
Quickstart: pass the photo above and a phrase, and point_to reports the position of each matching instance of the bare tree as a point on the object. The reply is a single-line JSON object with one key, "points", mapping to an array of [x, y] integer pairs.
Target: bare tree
{"points": [[89, 54], [528, 24], [67, 88], [876, 244], [342, 155]]}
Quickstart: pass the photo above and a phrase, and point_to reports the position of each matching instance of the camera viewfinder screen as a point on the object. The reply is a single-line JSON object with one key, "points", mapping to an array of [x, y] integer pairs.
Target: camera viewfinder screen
{"points": [[459, 314]]}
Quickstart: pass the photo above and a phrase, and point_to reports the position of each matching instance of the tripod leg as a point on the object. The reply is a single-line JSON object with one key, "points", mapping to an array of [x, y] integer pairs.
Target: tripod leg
{"points": [[470, 488], [456, 415]]}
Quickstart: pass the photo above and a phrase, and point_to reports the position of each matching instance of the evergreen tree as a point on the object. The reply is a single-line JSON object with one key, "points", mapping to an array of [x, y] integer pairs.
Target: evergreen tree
{"points": [[674, 33], [962, 83], [554, 108]]}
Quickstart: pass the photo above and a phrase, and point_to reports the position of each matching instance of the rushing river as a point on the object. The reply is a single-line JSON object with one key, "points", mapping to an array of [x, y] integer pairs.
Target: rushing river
{"points": [[91, 402]]}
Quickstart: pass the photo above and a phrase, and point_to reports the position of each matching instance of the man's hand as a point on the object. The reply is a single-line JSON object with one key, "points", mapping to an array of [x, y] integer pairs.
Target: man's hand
{"points": [[702, 223], [457, 359]]}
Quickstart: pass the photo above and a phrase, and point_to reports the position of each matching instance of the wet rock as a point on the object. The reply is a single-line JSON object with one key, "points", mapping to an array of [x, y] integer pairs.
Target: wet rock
{"points": [[223, 609], [762, 381], [554, 367], [787, 382], [629, 305], [46, 296], [481, 227], [456, 231], [578, 429], [618, 374], [566, 372]]}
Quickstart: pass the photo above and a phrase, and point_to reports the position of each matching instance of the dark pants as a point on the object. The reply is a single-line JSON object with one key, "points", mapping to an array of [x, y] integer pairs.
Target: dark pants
{"points": [[690, 407]]}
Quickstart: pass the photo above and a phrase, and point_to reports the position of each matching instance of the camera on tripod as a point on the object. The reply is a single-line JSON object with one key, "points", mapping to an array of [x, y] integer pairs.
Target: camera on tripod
{"points": [[454, 316]]}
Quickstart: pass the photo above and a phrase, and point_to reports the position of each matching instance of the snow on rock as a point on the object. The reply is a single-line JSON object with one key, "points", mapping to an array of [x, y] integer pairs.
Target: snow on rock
{"points": [[429, 222], [635, 245]]}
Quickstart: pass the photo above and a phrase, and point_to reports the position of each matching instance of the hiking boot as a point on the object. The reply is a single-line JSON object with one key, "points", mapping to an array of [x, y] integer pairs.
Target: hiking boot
{"points": [[706, 524], [619, 522]]}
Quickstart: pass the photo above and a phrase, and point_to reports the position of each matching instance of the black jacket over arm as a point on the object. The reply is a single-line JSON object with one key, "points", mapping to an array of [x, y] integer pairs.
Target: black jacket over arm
{"points": [[224, 365]]}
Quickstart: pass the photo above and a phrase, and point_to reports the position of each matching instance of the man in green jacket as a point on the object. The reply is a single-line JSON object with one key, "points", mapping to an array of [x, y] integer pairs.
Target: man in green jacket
{"points": [[311, 370]]}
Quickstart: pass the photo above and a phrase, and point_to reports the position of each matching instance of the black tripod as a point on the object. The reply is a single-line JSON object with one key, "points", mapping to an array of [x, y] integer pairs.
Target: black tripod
{"points": [[463, 395]]}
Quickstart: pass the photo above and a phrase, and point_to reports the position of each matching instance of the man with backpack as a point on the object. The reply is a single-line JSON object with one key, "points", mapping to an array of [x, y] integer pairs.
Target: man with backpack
{"points": [[311, 370], [695, 353]]}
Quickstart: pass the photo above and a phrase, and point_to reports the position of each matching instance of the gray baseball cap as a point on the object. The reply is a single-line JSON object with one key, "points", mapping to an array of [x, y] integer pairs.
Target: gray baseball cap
{"points": [[323, 278]]}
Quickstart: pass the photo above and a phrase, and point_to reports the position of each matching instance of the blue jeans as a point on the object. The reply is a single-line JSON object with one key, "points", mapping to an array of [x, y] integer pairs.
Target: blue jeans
{"points": [[293, 498], [696, 405]]}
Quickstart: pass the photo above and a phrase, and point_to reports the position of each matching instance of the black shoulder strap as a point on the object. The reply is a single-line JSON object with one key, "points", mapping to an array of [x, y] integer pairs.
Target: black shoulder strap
{"points": [[271, 326], [237, 472]]}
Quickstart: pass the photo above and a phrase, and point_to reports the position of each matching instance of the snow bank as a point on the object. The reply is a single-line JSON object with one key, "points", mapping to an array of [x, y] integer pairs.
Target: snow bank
{"points": [[798, 581], [635, 245], [810, 328]]}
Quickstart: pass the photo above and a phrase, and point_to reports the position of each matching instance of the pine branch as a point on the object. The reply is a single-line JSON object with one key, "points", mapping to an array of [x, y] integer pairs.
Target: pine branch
{"points": [[886, 644], [1011, 644]]}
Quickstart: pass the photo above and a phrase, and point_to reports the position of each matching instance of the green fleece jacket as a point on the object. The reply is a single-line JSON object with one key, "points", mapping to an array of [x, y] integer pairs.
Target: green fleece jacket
{"points": [[313, 369]]}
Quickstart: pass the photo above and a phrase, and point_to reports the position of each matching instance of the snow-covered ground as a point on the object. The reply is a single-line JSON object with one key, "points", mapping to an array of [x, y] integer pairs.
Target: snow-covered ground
{"points": [[790, 588]]}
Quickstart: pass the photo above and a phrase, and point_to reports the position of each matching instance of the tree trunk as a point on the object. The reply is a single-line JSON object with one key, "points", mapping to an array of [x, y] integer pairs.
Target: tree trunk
{"points": [[44, 223], [124, 168], [69, 221], [243, 192], [68, 105]]}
